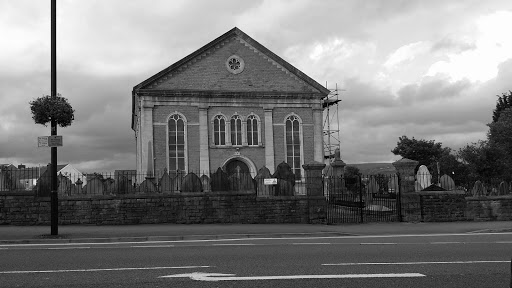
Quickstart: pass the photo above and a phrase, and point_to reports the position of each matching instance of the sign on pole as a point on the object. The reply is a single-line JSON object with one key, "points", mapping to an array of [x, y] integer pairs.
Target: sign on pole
{"points": [[42, 141], [49, 141]]}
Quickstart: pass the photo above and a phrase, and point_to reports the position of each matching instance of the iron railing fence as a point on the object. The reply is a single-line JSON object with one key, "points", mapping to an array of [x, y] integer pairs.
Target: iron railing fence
{"points": [[74, 184]]}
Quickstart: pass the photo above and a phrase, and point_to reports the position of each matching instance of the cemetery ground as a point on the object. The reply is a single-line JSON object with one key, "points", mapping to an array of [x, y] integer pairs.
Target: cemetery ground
{"points": [[452, 254]]}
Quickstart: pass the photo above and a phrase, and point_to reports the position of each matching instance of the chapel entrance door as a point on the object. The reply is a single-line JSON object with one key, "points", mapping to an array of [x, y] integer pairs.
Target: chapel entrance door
{"points": [[236, 167]]}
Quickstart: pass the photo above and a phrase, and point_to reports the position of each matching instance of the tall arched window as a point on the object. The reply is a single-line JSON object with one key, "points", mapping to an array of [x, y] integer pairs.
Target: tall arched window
{"points": [[252, 131], [177, 143], [219, 130], [293, 144], [236, 130]]}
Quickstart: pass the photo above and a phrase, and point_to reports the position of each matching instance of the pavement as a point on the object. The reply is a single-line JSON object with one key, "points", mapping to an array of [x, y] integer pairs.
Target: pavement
{"points": [[170, 232]]}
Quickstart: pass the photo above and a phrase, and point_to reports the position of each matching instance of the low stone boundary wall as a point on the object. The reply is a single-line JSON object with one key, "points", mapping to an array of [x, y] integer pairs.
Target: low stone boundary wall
{"points": [[441, 206], [192, 207]]}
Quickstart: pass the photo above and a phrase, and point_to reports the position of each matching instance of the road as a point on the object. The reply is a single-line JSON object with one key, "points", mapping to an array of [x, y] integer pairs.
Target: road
{"points": [[443, 260]]}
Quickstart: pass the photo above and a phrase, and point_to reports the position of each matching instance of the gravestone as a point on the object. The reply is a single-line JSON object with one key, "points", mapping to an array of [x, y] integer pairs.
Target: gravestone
{"points": [[65, 185], [447, 182], [240, 181], [263, 190], [205, 180], [191, 183], [123, 185], [147, 186], [166, 183], [285, 180], [393, 185], [423, 177], [109, 186], [93, 187], [219, 181], [417, 186], [478, 189]]}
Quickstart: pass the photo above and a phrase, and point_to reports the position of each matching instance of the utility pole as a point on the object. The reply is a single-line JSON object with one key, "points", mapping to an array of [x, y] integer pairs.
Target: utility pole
{"points": [[54, 200]]}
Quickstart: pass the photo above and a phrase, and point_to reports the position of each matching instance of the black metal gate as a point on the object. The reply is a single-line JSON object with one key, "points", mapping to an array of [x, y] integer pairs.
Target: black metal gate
{"points": [[360, 199]]}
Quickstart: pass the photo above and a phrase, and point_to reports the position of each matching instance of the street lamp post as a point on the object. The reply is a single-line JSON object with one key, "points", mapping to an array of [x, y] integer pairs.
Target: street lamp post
{"points": [[54, 201]]}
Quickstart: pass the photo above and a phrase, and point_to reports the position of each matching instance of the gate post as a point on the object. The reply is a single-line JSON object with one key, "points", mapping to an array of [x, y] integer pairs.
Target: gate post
{"points": [[409, 200], [314, 190]]}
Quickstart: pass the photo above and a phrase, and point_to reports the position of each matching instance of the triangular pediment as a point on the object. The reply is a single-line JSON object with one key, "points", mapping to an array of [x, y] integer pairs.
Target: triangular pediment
{"points": [[234, 62]]}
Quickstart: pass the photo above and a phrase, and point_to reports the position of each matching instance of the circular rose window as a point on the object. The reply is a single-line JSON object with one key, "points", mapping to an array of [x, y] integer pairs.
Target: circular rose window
{"points": [[235, 64]]}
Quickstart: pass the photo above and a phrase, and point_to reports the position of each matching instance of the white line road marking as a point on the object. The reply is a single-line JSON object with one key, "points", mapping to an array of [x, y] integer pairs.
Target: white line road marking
{"points": [[376, 243], [503, 242], [234, 244], [67, 248], [152, 246], [101, 269], [311, 243], [199, 276], [416, 263], [447, 243], [252, 239]]}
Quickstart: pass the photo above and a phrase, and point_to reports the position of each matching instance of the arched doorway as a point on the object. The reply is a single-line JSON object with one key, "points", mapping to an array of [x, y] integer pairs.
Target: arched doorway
{"points": [[236, 166]]}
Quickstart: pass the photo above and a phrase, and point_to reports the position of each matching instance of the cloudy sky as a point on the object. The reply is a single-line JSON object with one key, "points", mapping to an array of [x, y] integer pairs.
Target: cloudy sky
{"points": [[428, 69]]}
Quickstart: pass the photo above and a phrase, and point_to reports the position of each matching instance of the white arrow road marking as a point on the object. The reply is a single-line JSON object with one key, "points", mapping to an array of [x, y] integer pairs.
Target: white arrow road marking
{"points": [[415, 263], [200, 276], [101, 269]]}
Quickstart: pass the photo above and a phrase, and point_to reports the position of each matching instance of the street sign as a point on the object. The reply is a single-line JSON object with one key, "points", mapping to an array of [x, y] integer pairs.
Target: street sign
{"points": [[270, 181], [49, 141], [42, 141]]}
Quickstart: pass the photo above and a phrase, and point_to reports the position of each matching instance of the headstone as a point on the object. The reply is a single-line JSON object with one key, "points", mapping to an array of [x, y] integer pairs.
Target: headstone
{"points": [[166, 183], [219, 181], [109, 186], [417, 186], [205, 180], [393, 186], [285, 180], [123, 185], [191, 183], [93, 187], [65, 185], [147, 186], [263, 190], [423, 177], [447, 182], [241, 181], [478, 189]]}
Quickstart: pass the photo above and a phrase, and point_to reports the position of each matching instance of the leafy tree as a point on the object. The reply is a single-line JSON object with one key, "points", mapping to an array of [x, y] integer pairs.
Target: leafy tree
{"points": [[504, 102], [424, 151], [500, 131], [485, 161], [47, 108], [351, 175]]}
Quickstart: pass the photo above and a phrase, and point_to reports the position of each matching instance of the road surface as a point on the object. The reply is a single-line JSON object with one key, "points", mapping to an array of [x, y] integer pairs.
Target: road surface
{"points": [[443, 260]]}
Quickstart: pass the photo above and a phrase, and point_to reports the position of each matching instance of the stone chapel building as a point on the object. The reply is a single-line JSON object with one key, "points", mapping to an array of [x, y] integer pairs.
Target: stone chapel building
{"points": [[231, 104]]}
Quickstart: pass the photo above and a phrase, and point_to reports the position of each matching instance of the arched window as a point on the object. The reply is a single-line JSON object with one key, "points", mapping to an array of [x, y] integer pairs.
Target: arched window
{"points": [[177, 145], [293, 144], [252, 131], [236, 130], [219, 130]]}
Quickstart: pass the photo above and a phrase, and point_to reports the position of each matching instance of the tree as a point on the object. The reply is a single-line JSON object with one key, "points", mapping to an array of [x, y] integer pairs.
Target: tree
{"points": [[485, 161], [352, 175], [424, 151], [47, 108], [504, 102]]}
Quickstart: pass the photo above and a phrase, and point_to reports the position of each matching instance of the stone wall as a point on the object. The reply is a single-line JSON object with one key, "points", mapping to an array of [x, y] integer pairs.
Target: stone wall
{"points": [[443, 206], [25, 209]]}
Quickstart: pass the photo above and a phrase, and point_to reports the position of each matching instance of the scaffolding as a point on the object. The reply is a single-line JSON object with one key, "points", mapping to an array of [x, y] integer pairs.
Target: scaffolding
{"points": [[331, 129]]}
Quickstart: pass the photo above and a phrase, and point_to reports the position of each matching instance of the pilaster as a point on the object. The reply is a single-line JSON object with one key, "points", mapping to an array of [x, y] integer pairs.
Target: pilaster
{"points": [[318, 134], [204, 150], [269, 140]]}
